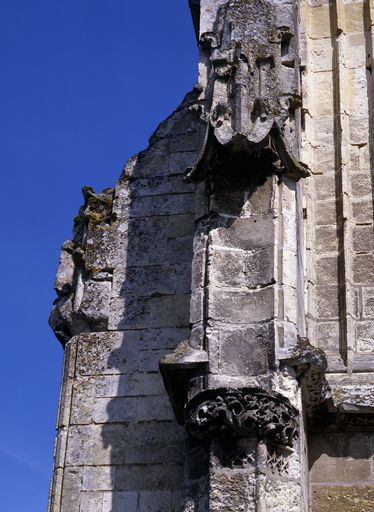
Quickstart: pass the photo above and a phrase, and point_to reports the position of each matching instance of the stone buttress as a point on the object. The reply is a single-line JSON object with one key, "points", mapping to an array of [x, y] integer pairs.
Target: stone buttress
{"points": [[216, 305]]}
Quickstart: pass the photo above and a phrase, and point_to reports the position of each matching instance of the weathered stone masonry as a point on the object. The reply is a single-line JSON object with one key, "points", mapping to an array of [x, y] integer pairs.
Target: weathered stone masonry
{"points": [[216, 306]]}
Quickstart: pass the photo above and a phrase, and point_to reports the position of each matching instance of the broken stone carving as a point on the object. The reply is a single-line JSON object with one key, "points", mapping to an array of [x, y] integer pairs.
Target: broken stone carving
{"points": [[250, 95], [310, 365], [80, 286], [242, 413]]}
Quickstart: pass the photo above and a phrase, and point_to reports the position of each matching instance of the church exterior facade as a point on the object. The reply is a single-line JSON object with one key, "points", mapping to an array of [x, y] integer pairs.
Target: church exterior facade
{"points": [[217, 306]]}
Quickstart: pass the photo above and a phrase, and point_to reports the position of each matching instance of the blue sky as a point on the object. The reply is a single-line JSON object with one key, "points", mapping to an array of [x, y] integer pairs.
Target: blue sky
{"points": [[84, 83]]}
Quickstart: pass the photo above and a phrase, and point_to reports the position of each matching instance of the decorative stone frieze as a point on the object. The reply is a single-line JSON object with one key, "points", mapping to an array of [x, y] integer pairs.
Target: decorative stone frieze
{"points": [[241, 413]]}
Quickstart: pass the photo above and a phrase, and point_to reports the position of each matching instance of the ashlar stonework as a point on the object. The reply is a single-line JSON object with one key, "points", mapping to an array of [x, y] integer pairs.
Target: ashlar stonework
{"points": [[217, 305]]}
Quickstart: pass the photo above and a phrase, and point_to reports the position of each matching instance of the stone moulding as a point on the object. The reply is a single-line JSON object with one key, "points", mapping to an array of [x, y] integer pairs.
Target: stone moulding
{"points": [[243, 412]]}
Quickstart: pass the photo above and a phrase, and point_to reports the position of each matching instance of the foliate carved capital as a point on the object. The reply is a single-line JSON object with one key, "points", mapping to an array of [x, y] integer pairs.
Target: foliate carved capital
{"points": [[241, 413]]}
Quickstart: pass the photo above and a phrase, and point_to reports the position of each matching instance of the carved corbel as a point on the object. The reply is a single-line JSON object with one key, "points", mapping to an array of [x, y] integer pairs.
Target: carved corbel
{"points": [[225, 412], [249, 96]]}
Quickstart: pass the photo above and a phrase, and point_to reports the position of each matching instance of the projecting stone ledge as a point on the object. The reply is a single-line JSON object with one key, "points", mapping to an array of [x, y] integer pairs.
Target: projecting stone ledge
{"points": [[178, 370]]}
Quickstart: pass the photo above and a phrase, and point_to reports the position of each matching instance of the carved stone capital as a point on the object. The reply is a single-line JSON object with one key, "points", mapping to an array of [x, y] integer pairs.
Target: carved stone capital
{"points": [[243, 412]]}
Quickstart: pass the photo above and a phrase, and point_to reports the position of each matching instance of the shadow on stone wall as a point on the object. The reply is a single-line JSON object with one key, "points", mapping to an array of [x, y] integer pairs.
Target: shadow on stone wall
{"points": [[150, 308]]}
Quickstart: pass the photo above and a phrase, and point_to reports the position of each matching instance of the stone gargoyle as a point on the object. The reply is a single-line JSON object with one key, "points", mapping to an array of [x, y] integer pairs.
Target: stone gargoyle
{"points": [[247, 106]]}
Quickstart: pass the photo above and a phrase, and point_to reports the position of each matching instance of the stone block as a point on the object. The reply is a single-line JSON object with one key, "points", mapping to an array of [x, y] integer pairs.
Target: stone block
{"points": [[143, 384], [339, 457], [66, 268], [167, 204], [356, 50], [147, 241], [354, 17], [183, 278], [71, 489], [325, 186], [106, 246], [325, 213], [324, 158], [364, 337], [290, 304], [354, 158], [198, 269], [241, 307], [226, 267], [241, 269], [155, 501], [179, 162], [154, 408], [119, 501], [110, 441], [227, 200], [323, 100], [118, 409], [154, 161], [362, 211], [180, 250], [283, 496], [289, 228], [80, 445], [368, 302], [361, 185], [159, 185], [355, 498], [99, 478], [364, 157], [327, 302], [155, 477], [327, 270], [327, 336], [358, 130], [176, 501], [321, 55], [241, 350], [108, 353], [153, 312], [110, 386], [245, 233], [95, 304], [146, 281], [167, 338], [153, 453], [326, 239], [357, 83], [289, 268], [150, 359], [363, 268], [322, 131], [181, 225], [82, 402], [231, 491], [261, 201], [363, 238]]}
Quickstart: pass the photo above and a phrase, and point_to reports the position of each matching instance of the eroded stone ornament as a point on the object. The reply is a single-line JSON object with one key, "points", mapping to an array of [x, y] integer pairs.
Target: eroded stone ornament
{"points": [[242, 413], [251, 95]]}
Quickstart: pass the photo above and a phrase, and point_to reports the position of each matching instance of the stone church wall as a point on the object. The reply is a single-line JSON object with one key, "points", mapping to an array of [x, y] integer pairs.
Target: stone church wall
{"points": [[126, 276], [245, 275]]}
